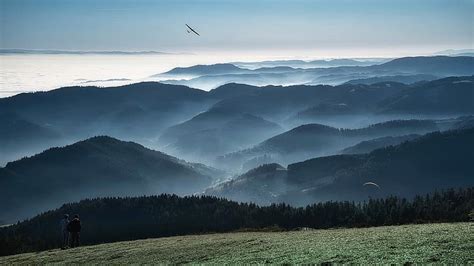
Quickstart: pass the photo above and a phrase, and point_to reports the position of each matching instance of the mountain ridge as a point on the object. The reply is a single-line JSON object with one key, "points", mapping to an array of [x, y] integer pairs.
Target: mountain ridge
{"points": [[98, 166], [434, 161]]}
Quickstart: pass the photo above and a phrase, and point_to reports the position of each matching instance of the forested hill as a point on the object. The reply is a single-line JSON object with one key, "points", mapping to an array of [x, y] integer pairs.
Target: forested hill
{"points": [[434, 161], [117, 219], [99, 166]]}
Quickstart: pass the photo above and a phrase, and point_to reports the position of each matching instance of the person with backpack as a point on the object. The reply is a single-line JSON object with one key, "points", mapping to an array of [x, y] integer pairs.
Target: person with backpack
{"points": [[64, 232], [74, 228]]}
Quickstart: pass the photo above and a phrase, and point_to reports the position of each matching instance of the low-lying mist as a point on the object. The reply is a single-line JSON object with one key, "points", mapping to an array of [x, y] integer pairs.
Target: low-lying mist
{"points": [[162, 138]]}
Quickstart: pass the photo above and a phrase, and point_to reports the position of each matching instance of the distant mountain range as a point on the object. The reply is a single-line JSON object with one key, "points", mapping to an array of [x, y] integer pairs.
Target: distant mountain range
{"points": [[459, 52], [395, 100], [96, 167], [311, 63], [199, 70], [408, 69], [434, 65], [232, 117], [434, 161], [135, 112], [262, 67], [278, 103], [50, 52], [296, 105]]}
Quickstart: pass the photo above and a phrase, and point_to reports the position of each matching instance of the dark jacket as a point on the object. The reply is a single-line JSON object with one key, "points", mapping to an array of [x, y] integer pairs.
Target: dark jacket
{"points": [[74, 226]]}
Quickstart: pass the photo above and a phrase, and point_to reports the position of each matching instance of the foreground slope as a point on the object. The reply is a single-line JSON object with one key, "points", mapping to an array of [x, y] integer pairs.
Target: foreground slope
{"points": [[109, 220], [440, 243]]}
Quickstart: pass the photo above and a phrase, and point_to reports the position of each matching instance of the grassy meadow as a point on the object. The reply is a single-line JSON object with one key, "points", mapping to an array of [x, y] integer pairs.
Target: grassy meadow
{"points": [[427, 243]]}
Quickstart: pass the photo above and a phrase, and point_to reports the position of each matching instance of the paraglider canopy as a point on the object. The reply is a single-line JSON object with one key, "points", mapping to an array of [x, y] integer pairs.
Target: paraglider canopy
{"points": [[371, 184]]}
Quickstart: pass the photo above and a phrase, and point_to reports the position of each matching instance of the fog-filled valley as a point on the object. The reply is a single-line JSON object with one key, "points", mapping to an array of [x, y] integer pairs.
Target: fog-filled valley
{"points": [[266, 132]]}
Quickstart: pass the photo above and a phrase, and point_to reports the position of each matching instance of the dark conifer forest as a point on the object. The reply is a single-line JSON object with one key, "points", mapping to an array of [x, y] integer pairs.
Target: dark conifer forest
{"points": [[118, 219]]}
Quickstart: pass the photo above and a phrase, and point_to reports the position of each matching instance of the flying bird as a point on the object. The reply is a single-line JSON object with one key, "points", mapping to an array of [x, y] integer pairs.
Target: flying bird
{"points": [[191, 29], [371, 184]]}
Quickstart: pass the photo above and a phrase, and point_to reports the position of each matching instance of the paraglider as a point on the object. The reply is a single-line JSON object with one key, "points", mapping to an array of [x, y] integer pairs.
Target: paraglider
{"points": [[371, 184], [191, 29]]}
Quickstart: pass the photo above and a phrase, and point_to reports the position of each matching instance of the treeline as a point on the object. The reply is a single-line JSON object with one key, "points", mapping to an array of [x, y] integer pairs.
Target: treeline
{"points": [[117, 219]]}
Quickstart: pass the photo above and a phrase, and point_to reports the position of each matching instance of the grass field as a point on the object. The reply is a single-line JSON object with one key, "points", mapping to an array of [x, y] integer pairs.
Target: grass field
{"points": [[441, 243]]}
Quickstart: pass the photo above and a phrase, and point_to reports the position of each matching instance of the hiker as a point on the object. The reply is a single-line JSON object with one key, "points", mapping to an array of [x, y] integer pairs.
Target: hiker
{"points": [[74, 228], [64, 232]]}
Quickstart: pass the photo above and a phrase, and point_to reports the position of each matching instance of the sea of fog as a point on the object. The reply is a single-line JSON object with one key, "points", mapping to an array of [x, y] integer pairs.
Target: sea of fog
{"points": [[41, 72]]}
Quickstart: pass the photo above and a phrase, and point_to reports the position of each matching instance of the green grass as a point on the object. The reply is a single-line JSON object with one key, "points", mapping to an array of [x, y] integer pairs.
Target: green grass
{"points": [[440, 243]]}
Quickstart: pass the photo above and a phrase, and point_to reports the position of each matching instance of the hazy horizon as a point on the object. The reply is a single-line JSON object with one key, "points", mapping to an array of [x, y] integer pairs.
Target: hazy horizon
{"points": [[319, 28], [229, 30], [42, 72], [251, 55]]}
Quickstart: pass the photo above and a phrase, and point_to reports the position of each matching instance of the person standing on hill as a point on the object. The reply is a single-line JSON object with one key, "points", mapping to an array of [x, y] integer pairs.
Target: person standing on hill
{"points": [[74, 228], [64, 232]]}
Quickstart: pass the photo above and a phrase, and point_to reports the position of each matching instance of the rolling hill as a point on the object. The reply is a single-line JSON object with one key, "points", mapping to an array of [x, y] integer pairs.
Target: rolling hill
{"points": [[142, 112], [137, 112], [434, 65], [120, 111], [406, 79], [99, 166], [312, 140], [277, 103], [454, 95], [434, 161], [373, 144], [298, 105], [216, 132], [19, 137], [267, 182]]}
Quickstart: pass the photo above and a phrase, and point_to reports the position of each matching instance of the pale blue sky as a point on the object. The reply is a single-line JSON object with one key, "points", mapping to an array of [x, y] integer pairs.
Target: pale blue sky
{"points": [[244, 25]]}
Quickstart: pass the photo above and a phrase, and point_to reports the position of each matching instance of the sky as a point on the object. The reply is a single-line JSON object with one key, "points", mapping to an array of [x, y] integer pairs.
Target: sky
{"points": [[379, 26]]}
